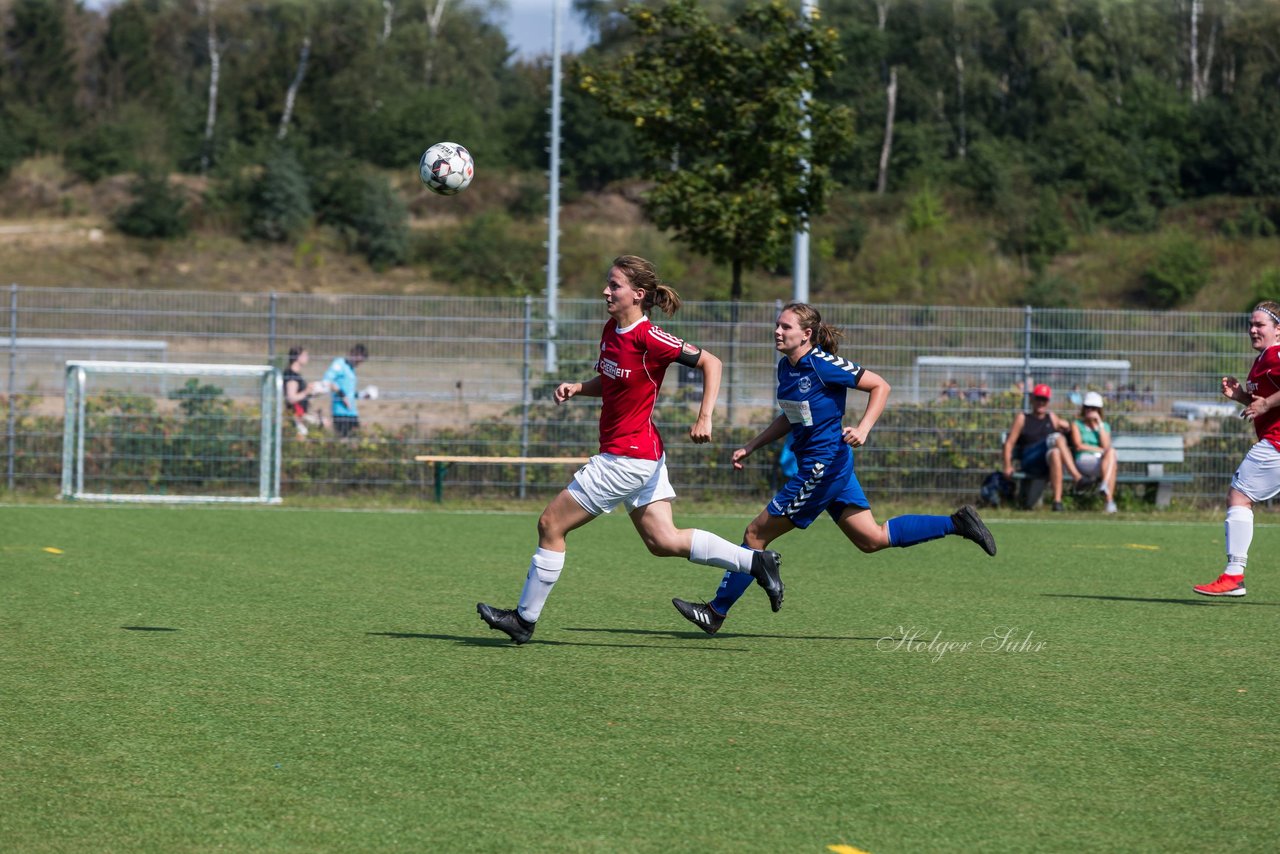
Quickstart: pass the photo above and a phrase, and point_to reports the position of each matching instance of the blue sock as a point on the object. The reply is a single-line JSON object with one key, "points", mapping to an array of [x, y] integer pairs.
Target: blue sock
{"points": [[732, 586], [908, 530]]}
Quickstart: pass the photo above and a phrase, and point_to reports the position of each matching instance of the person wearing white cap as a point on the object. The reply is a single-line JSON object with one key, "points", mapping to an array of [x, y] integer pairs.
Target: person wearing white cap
{"points": [[1095, 455]]}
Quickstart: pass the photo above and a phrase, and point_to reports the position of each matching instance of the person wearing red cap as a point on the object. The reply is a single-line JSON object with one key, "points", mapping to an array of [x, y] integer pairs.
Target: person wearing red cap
{"points": [[1037, 438]]}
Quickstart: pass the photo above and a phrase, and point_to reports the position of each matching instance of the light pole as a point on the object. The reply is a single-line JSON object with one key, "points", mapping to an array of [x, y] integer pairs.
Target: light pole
{"points": [[800, 240], [553, 197]]}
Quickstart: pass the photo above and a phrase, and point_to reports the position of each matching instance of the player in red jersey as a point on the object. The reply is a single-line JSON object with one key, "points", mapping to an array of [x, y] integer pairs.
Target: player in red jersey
{"points": [[1258, 477], [631, 467]]}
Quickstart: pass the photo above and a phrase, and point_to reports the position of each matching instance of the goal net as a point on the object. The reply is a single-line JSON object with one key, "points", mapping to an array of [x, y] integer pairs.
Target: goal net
{"points": [[155, 432]]}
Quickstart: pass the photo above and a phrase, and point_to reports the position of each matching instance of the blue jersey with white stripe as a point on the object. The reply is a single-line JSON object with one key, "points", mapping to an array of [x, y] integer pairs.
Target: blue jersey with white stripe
{"points": [[811, 393]]}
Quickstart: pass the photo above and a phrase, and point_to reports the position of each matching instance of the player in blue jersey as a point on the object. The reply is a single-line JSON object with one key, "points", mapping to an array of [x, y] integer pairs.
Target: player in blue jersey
{"points": [[813, 383]]}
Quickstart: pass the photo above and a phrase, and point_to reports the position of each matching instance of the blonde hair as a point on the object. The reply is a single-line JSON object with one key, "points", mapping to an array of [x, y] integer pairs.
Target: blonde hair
{"points": [[824, 335], [1271, 307], [643, 275]]}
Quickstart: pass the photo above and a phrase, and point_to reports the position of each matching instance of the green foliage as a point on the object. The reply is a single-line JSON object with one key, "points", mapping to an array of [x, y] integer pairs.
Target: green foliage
{"points": [[279, 202], [1177, 273], [925, 211], [1046, 291], [1252, 221], [126, 142], [848, 237], [1035, 227], [489, 255], [200, 401], [157, 211], [11, 149], [717, 111], [381, 223], [1265, 287]]}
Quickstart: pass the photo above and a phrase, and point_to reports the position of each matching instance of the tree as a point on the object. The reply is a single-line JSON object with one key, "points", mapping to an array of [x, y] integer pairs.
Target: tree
{"points": [[717, 111]]}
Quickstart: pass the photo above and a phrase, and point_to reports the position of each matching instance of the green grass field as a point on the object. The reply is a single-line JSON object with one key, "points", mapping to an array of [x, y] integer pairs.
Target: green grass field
{"points": [[192, 679]]}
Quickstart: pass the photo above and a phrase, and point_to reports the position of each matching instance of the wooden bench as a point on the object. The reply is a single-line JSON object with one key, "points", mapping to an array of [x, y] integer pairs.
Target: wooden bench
{"points": [[441, 463], [1151, 450]]}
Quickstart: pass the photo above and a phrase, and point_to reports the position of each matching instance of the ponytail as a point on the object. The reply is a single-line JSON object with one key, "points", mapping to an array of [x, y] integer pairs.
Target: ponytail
{"points": [[643, 275]]}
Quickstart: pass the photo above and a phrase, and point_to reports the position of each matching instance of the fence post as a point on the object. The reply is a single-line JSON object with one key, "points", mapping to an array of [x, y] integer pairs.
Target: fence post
{"points": [[271, 329], [13, 367], [524, 388], [1026, 359]]}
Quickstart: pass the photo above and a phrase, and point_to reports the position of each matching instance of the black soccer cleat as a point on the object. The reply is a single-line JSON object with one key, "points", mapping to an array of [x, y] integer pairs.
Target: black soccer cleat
{"points": [[970, 526], [516, 627], [700, 614], [764, 569]]}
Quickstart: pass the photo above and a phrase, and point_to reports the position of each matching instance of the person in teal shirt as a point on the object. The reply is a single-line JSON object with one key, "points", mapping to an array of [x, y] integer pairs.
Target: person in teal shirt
{"points": [[341, 380], [1095, 455]]}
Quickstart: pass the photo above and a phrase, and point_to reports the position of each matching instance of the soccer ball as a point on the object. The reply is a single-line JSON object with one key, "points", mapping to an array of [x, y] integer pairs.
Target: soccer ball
{"points": [[446, 168]]}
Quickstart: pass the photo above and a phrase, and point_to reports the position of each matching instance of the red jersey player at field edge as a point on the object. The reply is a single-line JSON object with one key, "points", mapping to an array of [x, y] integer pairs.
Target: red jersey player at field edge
{"points": [[1258, 477], [631, 468]]}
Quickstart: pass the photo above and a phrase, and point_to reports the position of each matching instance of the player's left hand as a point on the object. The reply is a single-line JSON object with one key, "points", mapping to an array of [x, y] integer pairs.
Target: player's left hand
{"points": [[1257, 406], [700, 432], [854, 437]]}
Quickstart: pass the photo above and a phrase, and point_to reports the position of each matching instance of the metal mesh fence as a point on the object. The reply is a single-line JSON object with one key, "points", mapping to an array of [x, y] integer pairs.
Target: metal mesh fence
{"points": [[474, 376]]}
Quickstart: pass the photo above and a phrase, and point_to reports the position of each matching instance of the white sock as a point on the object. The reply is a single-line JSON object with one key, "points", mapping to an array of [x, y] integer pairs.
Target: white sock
{"points": [[710, 550], [1239, 536], [544, 569]]}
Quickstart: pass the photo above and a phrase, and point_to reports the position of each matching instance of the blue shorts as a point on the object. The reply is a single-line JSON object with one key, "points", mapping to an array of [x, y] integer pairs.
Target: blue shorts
{"points": [[830, 487], [1034, 458]]}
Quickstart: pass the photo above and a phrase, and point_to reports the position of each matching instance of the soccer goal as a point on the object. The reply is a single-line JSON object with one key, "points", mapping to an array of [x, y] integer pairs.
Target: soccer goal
{"points": [[171, 433]]}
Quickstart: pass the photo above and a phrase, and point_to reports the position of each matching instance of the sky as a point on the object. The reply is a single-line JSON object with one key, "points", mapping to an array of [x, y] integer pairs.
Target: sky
{"points": [[527, 24]]}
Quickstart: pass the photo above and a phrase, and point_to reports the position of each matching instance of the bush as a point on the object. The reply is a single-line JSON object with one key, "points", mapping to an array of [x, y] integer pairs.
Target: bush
{"points": [[1177, 273], [133, 137], [157, 211], [1265, 287], [1035, 228], [489, 254], [925, 211], [381, 224], [280, 203]]}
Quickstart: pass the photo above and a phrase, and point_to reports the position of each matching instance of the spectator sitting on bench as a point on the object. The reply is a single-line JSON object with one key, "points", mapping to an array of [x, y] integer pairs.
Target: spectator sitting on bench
{"points": [[1037, 437], [1095, 455]]}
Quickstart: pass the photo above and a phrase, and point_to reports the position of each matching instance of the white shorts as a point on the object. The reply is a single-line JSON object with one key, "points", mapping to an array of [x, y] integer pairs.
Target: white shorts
{"points": [[1258, 477], [1089, 463], [608, 480]]}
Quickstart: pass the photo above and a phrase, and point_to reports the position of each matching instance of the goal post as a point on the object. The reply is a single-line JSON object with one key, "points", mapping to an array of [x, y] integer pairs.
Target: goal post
{"points": [[172, 432]]}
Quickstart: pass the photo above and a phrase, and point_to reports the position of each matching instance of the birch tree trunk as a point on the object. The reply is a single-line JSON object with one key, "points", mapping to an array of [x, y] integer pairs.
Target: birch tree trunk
{"points": [[1195, 51], [882, 182], [388, 12], [433, 30], [292, 95], [962, 134], [215, 69], [963, 141]]}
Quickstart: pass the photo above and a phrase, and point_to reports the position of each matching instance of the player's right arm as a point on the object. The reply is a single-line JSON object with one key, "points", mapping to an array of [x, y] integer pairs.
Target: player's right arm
{"points": [[775, 431], [591, 388], [1012, 439]]}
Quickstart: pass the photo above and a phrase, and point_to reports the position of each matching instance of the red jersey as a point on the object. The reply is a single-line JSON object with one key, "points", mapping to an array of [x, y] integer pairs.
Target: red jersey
{"points": [[1264, 379], [633, 362]]}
